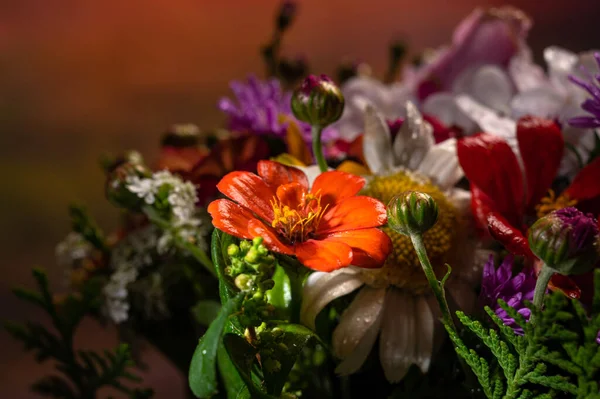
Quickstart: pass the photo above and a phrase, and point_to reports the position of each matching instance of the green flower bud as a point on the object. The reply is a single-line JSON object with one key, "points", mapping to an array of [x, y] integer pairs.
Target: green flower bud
{"points": [[244, 282], [257, 241], [566, 240], [412, 213], [233, 250], [116, 185], [245, 246], [318, 101], [252, 256]]}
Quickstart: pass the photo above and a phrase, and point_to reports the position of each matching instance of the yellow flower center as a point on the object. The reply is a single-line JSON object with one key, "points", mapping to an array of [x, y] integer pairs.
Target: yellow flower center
{"points": [[402, 268], [552, 203], [298, 221]]}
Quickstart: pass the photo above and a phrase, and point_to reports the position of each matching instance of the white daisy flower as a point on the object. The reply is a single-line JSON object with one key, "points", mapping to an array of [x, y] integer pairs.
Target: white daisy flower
{"points": [[395, 302]]}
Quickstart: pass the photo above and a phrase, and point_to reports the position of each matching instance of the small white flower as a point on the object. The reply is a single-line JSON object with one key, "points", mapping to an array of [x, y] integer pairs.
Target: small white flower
{"points": [[72, 249]]}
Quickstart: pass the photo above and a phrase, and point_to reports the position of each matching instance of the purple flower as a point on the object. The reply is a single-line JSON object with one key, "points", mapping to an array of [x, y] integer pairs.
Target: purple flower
{"points": [[583, 228], [591, 105], [263, 108], [598, 338], [514, 290]]}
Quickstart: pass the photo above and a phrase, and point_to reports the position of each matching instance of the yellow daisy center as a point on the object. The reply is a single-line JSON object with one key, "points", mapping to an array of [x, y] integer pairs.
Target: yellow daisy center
{"points": [[402, 268], [553, 203]]}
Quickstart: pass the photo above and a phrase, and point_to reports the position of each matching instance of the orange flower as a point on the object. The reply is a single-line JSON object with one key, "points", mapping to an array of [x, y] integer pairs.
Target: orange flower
{"points": [[327, 227]]}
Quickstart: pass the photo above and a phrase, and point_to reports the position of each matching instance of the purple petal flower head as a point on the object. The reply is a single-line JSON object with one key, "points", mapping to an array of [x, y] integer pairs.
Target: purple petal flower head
{"points": [[566, 240], [591, 105], [514, 290], [598, 338], [263, 108], [489, 37]]}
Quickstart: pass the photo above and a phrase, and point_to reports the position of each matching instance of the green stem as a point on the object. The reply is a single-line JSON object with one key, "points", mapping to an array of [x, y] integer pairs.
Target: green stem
{"points": [[297, 274], [318, 147], [436, 286], [540, 288]]}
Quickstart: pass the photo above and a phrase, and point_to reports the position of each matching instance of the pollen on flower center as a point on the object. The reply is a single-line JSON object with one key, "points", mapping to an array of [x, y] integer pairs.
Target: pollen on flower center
{"points": [[298, 223], [553, 203], [402, 268]]}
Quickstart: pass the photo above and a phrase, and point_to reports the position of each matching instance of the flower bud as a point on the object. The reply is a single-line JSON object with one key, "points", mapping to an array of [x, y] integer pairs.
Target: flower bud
{"points": [[566, 240], [286, 15], [116, 184], [318, 101], [412, 213], [243, 282], [181, 136]]}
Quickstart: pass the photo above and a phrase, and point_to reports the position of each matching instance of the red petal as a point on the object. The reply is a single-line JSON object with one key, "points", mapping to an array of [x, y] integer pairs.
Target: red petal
{"points": [[509, 236], [565, 285], [481, 206], [231, 218], [276, 174], [250, 191], [541, 145], [353, 213], [256, 228], [490, 164], [324, 255], [586, 185], [335, 186], [291, 194], [370, 247]]}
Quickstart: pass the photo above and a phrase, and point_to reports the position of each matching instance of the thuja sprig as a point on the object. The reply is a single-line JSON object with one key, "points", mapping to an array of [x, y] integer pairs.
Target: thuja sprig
{"points": [[83, 372]]}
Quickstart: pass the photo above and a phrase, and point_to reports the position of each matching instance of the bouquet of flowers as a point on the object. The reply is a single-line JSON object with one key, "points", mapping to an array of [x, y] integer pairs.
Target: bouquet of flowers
{"points": [[432, 234]]}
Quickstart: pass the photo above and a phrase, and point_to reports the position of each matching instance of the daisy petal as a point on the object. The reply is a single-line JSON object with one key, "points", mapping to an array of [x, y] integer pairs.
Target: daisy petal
{"points": [[441, 164], [230, 218], [492, 87], [353, 213], [357, 331], [398, 335], [275, 174], [323, 255], [370, 247], [487, 119], [377, 142], [414, 139], [257, 228], [543, 101], [250, 191], [424, 330], [321, 288], [335, 186]]}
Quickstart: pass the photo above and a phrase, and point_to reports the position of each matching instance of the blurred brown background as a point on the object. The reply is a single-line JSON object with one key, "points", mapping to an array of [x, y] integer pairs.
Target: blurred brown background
{"points": [[83, 77]]}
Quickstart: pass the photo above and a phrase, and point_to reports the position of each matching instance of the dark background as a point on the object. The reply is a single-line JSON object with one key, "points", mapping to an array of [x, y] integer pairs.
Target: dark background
{"points": [[82, 77]]}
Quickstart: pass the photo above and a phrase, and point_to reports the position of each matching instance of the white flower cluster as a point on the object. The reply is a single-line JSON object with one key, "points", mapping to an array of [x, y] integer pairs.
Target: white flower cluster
{"points": [[129, 256], [72, 249]]}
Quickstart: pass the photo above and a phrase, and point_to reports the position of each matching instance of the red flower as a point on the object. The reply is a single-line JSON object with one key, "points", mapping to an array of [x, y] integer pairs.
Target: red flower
{"points": [[504, 197], [327, 227]]}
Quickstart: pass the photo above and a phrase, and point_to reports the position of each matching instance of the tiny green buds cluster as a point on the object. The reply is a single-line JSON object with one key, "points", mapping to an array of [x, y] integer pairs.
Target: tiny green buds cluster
{"points": [[566, 240], [412, 213], [251, 269], [117, 180], [318, 101]]}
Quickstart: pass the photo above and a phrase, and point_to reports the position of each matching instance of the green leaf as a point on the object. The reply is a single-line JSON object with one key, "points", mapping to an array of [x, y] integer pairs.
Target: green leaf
{"points": [[83, 224], [291, 339], [205, 312], [234, 384], [203, 374], [243, 355], [220, 241], [281, 294]]}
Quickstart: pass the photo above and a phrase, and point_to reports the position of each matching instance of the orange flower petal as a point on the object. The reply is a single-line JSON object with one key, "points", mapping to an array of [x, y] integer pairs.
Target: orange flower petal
{"points": [[277, 174], [370, 247], [324, 255], [256, 228], [291, 194], [250, 191], [335, 186], [231, 218], [353, 213]]}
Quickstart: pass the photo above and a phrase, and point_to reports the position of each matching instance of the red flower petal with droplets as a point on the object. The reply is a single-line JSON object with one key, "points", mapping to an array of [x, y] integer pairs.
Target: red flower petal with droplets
{"points": [[328, 186], [481, 206], [276, 174], [369, 246], [509, 236], [490, 164], [250, 191], [324, 255], [541, 145], [586, 185]]}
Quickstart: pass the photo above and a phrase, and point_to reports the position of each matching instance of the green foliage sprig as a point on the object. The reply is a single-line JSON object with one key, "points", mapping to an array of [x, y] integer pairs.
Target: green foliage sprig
{"points": [[84, 372], [557, 356]]}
